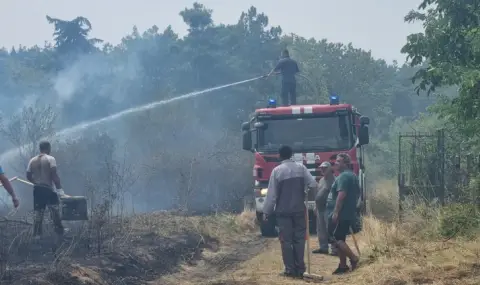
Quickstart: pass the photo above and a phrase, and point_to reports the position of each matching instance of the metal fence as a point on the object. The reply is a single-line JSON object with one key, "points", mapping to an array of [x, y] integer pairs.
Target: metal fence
{"points": [[433, 167], [421, 166]]}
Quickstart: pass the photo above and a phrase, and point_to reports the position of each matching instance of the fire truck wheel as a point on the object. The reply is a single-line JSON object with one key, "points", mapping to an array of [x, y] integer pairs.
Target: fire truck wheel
{"points": [[267, 228]]}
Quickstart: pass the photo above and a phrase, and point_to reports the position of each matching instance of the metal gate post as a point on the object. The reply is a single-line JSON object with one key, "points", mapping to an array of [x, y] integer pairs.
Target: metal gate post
{"points": [[401, 178], [441, 165]]}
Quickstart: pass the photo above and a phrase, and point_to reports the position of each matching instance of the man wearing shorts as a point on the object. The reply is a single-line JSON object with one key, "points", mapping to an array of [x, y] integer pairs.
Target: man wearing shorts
{"points": [[42, 172], [345, 192]]}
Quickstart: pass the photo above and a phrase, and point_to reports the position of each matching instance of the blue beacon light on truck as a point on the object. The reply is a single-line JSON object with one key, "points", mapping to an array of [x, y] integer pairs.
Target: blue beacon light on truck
{"points": [[272, 103], [334, 100]]}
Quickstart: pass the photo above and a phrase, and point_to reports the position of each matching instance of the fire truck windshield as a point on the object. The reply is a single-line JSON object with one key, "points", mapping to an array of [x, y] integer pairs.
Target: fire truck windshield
{"points": [[307, 134]]}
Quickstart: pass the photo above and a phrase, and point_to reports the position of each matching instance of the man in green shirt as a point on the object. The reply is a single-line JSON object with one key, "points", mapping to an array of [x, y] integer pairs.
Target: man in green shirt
{"points": [[344, 193]]}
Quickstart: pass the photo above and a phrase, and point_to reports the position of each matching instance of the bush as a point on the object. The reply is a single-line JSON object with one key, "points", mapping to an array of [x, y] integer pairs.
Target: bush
{"points": [[459, 220], [425, 220]]}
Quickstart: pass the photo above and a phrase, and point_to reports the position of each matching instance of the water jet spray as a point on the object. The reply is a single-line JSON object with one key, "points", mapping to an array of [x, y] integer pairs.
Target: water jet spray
{"points": [[11, 153]]}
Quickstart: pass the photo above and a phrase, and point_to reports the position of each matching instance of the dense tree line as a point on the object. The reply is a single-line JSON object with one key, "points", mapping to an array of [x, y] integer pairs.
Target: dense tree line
{"points": [[449, 52], [182, 145], [157, 64]]}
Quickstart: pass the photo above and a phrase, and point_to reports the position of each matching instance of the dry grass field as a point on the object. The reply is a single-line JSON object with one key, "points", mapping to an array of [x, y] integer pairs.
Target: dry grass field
{"points": [[169, 248], [392, 253]]}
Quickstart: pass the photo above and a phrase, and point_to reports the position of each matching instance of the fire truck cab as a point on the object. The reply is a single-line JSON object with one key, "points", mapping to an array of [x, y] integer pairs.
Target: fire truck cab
{"points": [[316, 133]]}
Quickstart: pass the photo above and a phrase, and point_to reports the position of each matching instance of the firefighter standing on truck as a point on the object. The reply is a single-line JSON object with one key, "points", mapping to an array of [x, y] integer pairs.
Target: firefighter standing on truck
{"points": [[42, 172], [288, 68], [286, 197]]}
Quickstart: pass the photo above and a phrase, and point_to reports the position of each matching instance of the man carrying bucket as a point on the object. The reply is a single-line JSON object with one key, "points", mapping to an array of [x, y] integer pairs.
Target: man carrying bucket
{"points": [[42, 172]]}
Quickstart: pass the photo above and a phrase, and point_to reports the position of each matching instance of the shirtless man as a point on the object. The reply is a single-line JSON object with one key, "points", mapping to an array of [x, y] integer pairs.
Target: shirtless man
{"points": [[42, 172]]}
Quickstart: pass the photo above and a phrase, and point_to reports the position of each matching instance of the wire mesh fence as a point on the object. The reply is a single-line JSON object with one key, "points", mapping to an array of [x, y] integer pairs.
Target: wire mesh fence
{"points": [[435, 168]]}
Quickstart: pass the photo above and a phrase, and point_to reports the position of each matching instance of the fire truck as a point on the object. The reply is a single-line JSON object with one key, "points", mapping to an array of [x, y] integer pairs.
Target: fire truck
{"points": [[316, 134]]}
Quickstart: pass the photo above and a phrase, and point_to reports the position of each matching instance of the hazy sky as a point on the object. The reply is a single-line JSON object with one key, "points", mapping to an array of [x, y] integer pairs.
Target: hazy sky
{"points": [[370, 24]]}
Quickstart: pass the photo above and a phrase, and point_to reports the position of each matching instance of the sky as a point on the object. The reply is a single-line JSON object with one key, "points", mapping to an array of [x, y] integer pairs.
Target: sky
{"points": [[375, 25]]}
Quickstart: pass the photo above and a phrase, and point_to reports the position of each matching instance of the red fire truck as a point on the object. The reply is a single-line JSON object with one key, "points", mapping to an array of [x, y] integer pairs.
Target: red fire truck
{"points": [[316, 133]]}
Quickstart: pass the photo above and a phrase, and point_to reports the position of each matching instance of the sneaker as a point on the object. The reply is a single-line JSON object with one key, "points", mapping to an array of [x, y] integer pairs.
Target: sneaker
{"points": [[288, 275], [341, 270], [320, 251]]}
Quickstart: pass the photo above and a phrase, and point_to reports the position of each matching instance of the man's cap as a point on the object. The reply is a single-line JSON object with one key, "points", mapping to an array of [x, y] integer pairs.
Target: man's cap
{"points": [[326, 164]]}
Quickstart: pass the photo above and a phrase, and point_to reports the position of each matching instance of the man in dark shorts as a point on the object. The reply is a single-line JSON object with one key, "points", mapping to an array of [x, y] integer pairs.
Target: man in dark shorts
{"points": [[288, 68], [286, 197], [42, 172], [345, 192]]}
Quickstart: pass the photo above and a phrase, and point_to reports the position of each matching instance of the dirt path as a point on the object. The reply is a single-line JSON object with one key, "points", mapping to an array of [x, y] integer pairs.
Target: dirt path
{"points": [[250, 262], [218, 262], [265, 268]]}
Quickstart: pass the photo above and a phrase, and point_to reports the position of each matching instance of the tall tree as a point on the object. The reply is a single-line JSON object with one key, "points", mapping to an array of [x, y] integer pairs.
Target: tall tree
{"points": [[198, 18], [448, 52], [72, 36]]}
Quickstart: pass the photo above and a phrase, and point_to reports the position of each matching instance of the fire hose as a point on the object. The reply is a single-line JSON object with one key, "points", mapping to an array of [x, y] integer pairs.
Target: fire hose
{"points": [[20, 180]]}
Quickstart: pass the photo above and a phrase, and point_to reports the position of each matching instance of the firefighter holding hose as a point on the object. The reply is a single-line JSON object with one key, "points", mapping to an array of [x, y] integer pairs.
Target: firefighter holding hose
{"points": [[288, 68]]}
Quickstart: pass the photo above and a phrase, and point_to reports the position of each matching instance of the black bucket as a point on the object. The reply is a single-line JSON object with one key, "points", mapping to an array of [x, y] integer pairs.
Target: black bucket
{"points": [[74, 208]]}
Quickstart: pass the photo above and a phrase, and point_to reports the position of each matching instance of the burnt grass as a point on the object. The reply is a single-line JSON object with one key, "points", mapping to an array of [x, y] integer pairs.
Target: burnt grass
{"points": [[126, 252]]}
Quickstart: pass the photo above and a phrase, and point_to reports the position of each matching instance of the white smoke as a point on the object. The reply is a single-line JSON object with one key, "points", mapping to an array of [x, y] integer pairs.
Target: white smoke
{"points": [[105, 71]]}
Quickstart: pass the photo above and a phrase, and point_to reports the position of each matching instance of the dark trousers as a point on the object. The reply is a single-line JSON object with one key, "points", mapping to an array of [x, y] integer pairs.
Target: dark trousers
{"points": [[289, 93], [43, 197], [292, 230]]}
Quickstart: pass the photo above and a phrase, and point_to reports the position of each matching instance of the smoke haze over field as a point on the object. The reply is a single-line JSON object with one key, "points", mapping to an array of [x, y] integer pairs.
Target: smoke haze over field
{"points": [[187, 154], [147, 105]]}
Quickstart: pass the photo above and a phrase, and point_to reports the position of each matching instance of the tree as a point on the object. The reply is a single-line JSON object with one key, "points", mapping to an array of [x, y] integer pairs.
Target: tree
{"points": [[72, 36], [448, 52], [198, 136], [197, 18], [26, 129]]}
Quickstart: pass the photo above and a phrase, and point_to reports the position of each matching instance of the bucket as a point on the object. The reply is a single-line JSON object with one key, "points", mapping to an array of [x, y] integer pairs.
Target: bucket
{"points": [[74, 208]]}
